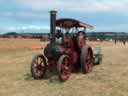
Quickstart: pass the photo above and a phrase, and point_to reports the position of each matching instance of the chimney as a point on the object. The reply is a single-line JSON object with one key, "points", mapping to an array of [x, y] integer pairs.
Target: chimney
{"points": [[53, 25]]}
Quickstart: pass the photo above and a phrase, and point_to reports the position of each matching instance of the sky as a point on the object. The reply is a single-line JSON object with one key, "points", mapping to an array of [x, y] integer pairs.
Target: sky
{"points": [[33, 15]]}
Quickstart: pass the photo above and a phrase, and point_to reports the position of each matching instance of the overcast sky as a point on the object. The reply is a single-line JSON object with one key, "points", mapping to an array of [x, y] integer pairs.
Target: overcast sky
{"points": [[33, 15]]}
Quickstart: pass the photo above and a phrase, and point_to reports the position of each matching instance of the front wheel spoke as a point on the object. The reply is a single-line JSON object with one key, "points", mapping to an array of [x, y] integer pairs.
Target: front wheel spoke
{"points": [[62, 67], [89, 62], [89, 66], [67, 70], [41, 68], [66, 67], [64, 76], [38, 73], [34, 70], [65, 73], [39, 60], [34, 65], [36, 61], [66, 61]]}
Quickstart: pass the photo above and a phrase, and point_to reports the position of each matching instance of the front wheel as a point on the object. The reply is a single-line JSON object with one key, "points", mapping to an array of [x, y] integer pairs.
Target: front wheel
{"points": [[64, 68], [86, 59], [38, 66]]}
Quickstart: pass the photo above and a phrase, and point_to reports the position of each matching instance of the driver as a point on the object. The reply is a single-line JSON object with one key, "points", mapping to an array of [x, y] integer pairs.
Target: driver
{"points": [[59, 37], [67, 40]]}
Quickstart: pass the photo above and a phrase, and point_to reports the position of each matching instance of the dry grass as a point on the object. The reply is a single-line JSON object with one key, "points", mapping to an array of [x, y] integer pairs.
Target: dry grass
{"points": [[108, 79]]}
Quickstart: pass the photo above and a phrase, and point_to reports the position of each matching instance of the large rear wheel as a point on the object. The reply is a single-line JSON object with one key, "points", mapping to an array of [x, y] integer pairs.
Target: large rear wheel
{"points": [[64, 68], [38, 67], [86, 59]]}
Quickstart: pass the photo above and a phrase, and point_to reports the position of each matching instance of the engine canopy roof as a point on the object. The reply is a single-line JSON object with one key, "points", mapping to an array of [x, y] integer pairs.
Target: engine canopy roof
{"points": [[69, 23]]}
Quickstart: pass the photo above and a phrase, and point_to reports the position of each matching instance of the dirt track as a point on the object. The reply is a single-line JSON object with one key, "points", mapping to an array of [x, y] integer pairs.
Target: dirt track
{"points": [[19, 43], [18, 46], [12, 43]]}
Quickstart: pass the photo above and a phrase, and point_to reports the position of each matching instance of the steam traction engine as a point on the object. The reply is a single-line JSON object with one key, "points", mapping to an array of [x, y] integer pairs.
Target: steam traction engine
{"points": [[66, 51]]}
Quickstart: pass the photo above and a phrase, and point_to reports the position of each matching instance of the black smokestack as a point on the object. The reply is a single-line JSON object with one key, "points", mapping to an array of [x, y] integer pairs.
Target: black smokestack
{"points": [[53, 25]]}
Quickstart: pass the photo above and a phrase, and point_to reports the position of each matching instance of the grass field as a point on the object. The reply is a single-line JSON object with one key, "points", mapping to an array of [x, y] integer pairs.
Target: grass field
{"points": [[108, 79]]}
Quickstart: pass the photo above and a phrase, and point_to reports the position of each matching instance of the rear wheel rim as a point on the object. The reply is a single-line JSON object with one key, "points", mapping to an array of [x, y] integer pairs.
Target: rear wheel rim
{"points": [[89, 62]]}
